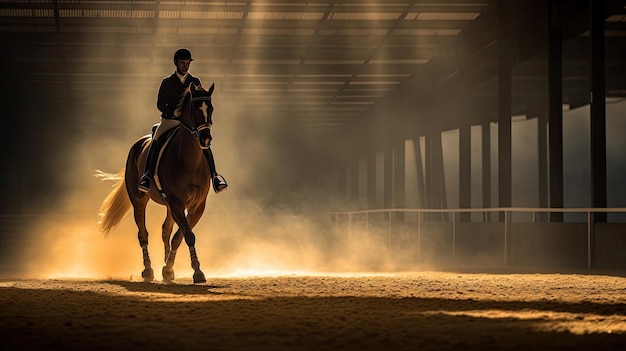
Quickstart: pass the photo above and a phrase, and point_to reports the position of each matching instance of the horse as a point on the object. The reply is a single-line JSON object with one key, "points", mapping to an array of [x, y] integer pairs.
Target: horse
{"points": [[181, 184]]}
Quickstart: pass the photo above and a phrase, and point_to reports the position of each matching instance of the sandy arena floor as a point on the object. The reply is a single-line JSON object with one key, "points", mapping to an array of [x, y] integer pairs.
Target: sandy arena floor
{"points": [[404, 311]]}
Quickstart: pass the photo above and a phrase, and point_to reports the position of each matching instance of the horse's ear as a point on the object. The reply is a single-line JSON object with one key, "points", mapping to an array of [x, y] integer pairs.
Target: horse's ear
{"points": [[211, 88]]}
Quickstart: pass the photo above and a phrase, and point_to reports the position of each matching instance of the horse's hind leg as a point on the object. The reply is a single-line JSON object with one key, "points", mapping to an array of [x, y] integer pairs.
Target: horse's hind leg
{"points": [[139, 202], [142, 235]]}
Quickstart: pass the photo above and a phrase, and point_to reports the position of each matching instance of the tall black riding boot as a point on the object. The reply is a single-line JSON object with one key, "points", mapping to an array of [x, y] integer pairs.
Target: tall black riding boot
{"points": [[151, 159], [219, 183]]}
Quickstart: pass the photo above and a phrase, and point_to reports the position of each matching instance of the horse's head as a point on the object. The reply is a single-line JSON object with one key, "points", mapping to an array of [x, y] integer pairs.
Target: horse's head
{"points": [[196, 113]]}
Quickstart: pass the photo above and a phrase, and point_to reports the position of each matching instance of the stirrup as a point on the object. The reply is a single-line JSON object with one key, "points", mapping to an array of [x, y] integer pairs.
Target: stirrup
{"points": [[144, 184], [219, 183]]}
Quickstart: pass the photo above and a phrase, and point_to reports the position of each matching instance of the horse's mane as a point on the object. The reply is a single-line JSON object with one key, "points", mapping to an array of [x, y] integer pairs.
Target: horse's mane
{"points": [[181, 101]]}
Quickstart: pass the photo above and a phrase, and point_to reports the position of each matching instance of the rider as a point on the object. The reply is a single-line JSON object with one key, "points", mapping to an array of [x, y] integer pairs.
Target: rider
{"points": [[169, 95]]}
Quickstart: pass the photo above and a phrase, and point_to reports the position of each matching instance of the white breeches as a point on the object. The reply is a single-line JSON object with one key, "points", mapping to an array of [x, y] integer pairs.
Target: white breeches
{"points": [[164, 126]]}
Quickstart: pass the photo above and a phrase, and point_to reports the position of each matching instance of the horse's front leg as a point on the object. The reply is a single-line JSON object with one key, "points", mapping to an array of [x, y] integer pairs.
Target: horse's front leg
{"points": [[168, 270], [166, 233], [184, 231], [193, 217]]}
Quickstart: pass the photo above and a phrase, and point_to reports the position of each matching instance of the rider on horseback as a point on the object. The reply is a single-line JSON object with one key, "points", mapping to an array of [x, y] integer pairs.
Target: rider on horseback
{"points": [[169, 95]]}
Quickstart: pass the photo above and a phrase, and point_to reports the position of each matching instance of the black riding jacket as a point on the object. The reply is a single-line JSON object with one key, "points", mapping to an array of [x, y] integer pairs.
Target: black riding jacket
{"points": [[170, 93]]}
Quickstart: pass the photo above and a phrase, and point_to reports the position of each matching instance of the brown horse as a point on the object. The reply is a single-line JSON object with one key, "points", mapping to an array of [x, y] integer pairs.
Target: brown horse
{"points": [[182, 182]]}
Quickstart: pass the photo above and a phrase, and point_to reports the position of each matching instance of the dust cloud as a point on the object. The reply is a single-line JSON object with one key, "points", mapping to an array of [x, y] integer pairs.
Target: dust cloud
{"points": [[237, 235]]}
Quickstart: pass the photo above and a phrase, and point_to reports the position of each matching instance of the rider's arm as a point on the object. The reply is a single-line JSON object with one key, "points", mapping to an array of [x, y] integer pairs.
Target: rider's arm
{"points": [[162, 103]]}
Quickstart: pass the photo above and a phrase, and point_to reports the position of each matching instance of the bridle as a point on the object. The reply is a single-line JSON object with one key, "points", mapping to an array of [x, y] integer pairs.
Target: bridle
{"points": [[193, 129]]}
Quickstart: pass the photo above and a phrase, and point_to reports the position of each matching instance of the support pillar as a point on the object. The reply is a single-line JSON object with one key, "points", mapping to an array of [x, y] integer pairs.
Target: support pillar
{"points": [[388, 184], [465, 171], [504, 111], [435, 178], [421, 181], [598, 108], [399, 174], [555, 111], [371, 181], [542, 163], [486, 164]]}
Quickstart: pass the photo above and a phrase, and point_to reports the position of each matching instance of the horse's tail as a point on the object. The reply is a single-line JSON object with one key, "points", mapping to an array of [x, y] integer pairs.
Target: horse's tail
{"points": [[116, 205]]}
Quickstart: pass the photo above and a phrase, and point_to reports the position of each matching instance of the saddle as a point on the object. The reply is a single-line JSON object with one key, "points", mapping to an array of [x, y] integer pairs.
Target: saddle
{"points": [[165, 139]]}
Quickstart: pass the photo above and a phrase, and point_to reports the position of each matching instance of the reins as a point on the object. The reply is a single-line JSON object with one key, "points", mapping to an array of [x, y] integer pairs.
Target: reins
{"points": [[195, 131]]}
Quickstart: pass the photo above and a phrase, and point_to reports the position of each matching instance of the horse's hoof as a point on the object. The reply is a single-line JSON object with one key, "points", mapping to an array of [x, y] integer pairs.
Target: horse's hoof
{"points": [[198, 278], [168, 276], [147, 275]]}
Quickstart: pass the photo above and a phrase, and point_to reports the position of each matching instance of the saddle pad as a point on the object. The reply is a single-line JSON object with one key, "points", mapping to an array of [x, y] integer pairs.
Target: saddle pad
{"points": [[168, 136]]}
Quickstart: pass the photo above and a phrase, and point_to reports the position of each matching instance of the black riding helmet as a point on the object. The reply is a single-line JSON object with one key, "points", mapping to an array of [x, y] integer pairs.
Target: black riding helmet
{"points": [[182, 53]]}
